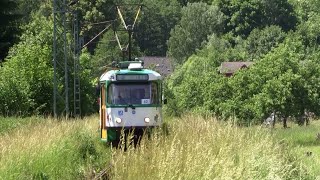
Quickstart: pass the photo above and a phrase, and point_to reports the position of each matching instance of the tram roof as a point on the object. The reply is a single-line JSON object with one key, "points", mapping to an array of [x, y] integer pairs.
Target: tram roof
{"points": [[110, 75]]}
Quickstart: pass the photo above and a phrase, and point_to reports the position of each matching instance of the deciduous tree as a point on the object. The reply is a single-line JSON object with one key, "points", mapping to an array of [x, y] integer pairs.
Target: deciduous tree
{"points": [[198, 21]]}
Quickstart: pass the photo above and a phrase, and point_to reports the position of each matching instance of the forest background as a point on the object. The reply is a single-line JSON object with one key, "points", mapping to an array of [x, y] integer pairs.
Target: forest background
{"points": [[281, 37]]}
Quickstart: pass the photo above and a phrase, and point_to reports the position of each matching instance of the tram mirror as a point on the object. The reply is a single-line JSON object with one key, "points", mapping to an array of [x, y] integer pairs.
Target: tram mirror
{"points": [[165, 101]]}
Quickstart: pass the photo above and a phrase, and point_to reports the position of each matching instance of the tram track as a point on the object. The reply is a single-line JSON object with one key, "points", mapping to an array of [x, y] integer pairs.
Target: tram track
{"points": [[104, 174]]}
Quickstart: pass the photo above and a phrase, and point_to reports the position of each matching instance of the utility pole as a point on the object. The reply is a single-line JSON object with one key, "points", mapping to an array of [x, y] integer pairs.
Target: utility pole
{"points": [[130, 30], [77, 44], [61, 65]]}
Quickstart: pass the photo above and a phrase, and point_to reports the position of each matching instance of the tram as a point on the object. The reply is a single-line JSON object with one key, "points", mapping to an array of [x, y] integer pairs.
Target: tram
{"points": [[130, 99]]}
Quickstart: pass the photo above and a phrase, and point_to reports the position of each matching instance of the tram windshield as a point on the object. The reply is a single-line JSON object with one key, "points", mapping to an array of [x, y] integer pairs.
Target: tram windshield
{"points": [[133, 93]]}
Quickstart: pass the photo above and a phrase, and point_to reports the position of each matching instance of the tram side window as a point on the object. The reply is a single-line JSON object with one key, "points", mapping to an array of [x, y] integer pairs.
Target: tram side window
{"points": [[154, 93], [110, 95]]}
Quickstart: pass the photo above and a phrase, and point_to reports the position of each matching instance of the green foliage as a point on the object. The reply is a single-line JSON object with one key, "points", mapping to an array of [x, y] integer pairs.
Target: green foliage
{"points": [[26, 76], [92, 11], [304, 9], [88, 83], [25, 79], [203, 34], [185, 2], [273, 84], [92, 15], [198, 21], [27, 7], [284, 80], [202, 66], [154, 26], [309, 17], [106, 52], [244, 16], [260, 42], [8, 26]]}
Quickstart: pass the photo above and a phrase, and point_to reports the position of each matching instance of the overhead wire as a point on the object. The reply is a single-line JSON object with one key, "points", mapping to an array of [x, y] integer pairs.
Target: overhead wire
{"points": [[96, 36], [102, 22]]}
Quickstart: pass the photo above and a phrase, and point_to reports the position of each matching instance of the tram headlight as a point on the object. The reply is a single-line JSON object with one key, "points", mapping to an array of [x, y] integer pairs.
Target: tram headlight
{"points": [[147, 120], [118, 120]]}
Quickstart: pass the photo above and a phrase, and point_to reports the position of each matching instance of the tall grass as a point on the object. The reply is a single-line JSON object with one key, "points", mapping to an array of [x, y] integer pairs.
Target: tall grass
{"points": [[53, 150], [10, 123], [198, 148], [305, 141]]}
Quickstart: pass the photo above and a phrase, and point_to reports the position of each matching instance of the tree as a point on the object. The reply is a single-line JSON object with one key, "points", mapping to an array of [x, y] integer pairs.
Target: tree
{"points": [[284, 80], [280, 13], [185, 2], [154, 26], [309, 16], [260, 42], [26, 77], [26, 7], [92, 14], [196, 84], [198, 21], [244, 16], [8, 26], [276, 83]]}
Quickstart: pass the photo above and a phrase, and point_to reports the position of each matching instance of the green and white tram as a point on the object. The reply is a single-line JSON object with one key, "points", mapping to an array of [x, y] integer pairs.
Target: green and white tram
{"points": [[130, 98]]}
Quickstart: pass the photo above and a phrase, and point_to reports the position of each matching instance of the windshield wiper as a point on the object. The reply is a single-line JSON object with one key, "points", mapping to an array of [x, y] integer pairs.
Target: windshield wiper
{"points": [[131, 105]]}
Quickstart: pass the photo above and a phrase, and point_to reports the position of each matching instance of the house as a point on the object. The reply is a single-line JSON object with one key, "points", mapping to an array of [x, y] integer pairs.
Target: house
{"points": [[160, 64], [229, 68]]}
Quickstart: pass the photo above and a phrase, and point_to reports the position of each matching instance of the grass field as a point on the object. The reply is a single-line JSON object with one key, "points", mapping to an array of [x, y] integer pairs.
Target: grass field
{"points": [[50, 149], [198, 148], [195, 148], [10, 123], [305, 141]]}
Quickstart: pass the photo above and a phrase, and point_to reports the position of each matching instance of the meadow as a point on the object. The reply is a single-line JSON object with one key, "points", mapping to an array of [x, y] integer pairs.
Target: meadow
{"points": [[51, 149], [192, 148], [198, 148], [306, 142]]}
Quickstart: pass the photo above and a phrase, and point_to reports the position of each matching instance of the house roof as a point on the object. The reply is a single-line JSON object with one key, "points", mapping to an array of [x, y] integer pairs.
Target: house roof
{"points": [[231, 67], [160, 64]]}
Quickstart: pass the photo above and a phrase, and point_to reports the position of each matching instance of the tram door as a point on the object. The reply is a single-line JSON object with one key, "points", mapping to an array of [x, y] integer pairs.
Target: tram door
{"points": [[103, 111]]}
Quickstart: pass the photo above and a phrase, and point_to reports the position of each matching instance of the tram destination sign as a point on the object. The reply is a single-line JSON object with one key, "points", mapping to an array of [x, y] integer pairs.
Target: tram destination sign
{"points": [[132, 77]]}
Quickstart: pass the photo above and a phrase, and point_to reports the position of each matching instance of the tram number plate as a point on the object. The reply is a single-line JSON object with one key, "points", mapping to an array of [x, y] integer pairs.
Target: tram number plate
{"points": [[145, 101]]}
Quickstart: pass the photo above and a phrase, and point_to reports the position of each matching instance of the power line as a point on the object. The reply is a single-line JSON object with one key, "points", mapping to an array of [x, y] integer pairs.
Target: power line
{"points": [[96, 36], [98, 23]]}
